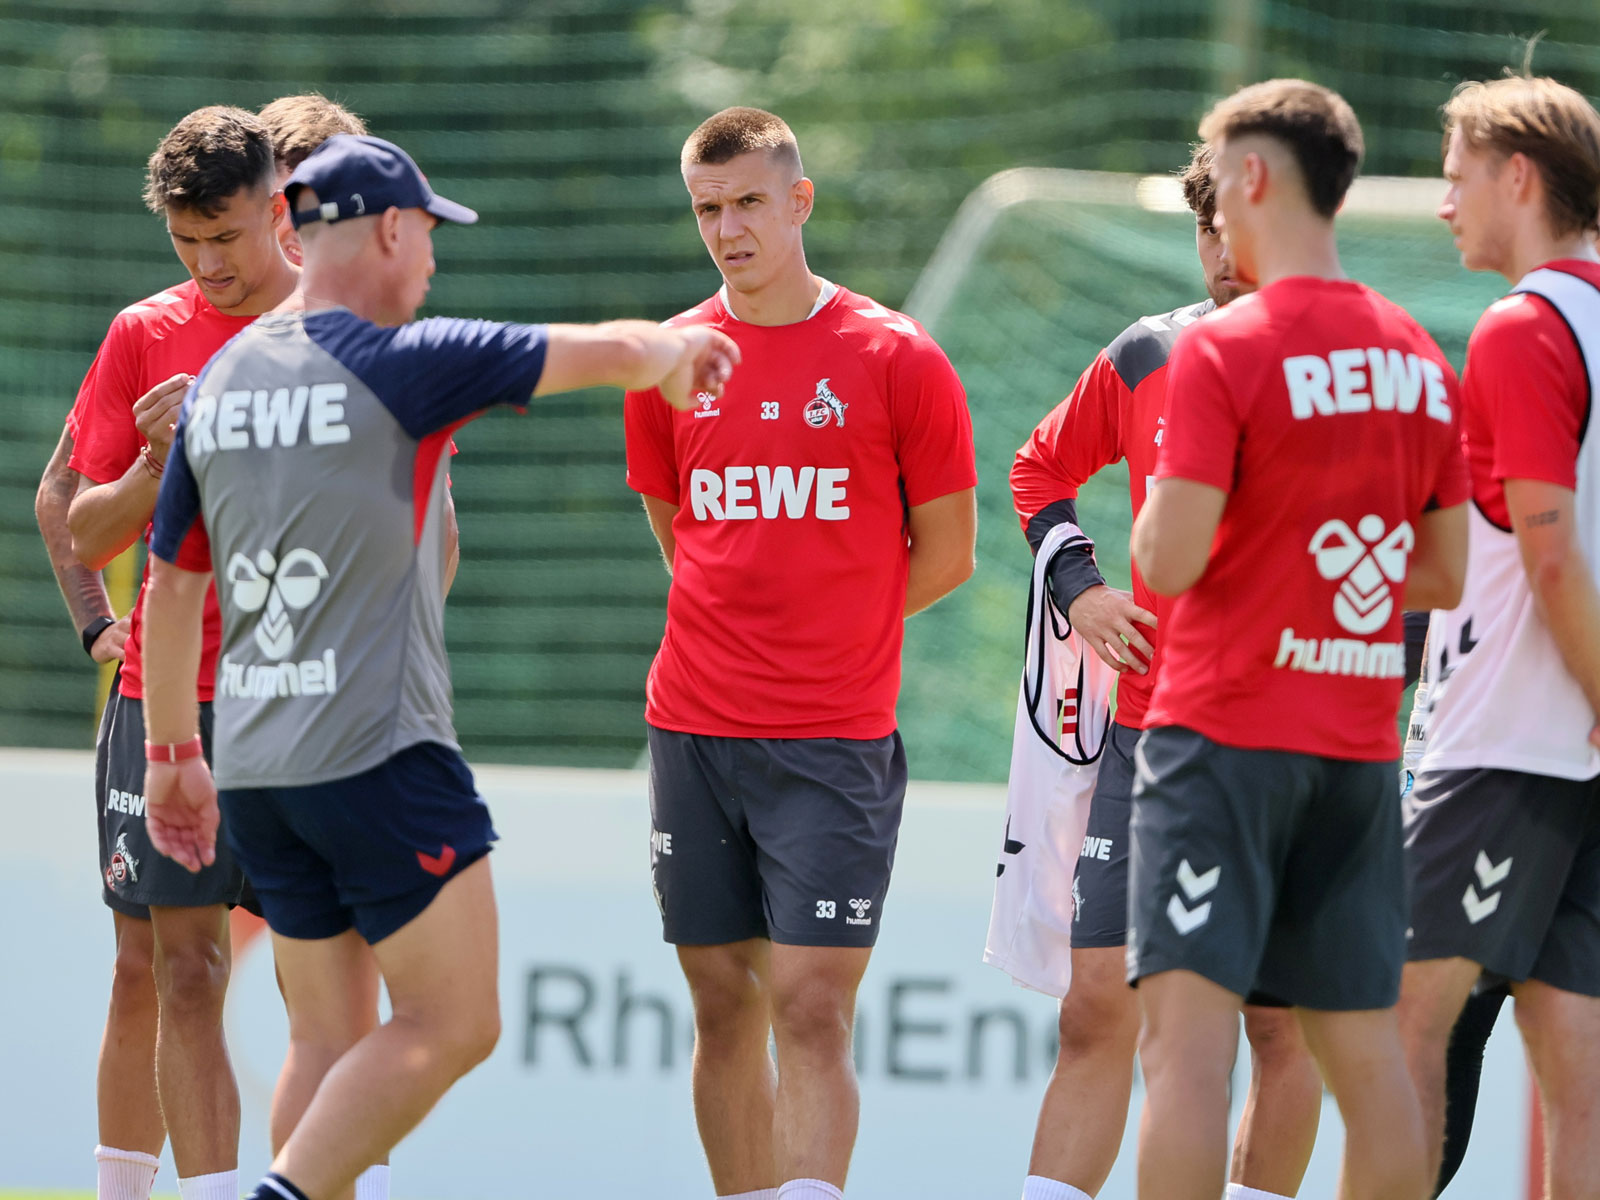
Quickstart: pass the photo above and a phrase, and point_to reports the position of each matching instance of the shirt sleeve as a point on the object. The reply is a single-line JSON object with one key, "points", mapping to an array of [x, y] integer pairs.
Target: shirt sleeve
{"points": [[1526, 375], [652, 456], [435, 374], [1201, 436], [105, 439], [178, 532], [1080, 436], [932, 427]]}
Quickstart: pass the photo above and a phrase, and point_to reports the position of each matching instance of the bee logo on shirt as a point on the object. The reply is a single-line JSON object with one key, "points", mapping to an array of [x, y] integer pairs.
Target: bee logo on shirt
{"points": [[823, 406]]}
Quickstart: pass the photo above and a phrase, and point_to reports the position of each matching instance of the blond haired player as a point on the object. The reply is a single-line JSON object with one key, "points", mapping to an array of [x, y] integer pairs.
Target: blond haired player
{"points": [[1503, 827]]}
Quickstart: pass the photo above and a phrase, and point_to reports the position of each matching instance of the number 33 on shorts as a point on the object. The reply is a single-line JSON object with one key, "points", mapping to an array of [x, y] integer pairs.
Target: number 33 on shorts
{"points": [[827, 909]]}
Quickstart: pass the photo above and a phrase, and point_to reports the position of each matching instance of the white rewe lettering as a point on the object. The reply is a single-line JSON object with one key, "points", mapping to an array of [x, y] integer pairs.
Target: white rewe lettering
{"points": [[705, 493], [728, 495], [278, 415], [1358, 381], [327, 414], [830, 494], [1438, 394], [1350, 381], [1308, 377], [1396, 380], [738, 493], [232, 414], [778, 486], [197, 436]]}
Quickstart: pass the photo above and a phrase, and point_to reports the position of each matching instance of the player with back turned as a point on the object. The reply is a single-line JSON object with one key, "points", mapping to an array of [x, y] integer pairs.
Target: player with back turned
{"points": [[828, 495], [1309, 487], [1115, 412]]}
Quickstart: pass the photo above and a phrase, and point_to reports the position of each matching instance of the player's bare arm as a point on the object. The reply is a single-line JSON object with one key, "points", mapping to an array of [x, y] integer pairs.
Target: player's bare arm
{"points": [[661, 515], [1437, 570], [638, 355], [107, 518], [1544, 518], [1173, 535], [82, 589], [943, 533], [181, 800]]}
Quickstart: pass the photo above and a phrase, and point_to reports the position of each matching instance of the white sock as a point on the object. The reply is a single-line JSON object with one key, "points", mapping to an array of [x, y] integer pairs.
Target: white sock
{"points": [[1238, 1191], [124, 1174], [809, 1189], [758, 1194], [373, 1183], [1037, 1187], [221, 1185]]}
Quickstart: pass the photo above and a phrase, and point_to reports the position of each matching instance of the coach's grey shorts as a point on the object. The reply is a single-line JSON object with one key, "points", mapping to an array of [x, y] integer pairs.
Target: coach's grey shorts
{"points": [[135, 875], [1100, 881], [791, 839], [1504, 869], [1270, 873]]}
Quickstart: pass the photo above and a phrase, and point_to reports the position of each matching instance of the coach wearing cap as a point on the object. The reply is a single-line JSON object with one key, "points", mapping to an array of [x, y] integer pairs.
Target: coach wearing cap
{"points": [[307, 473]]}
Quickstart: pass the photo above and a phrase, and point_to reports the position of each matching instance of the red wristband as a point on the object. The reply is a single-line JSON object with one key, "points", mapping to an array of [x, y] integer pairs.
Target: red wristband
{"points": [[172, 752]]}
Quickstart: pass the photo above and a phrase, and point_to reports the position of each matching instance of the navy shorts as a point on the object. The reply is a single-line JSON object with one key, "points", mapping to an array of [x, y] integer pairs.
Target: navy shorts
{"points": [[791, 839], [1276, 875], [134, 875], [369, 851], [1100, 881]]}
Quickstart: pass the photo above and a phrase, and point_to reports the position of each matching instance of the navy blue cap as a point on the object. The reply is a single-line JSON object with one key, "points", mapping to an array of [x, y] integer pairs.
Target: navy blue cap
{"points": [[359, 176]]}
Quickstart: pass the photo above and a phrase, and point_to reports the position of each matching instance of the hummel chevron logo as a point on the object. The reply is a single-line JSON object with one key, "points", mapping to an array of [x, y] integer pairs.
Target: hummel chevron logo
{"points": [[878, 313], [440, 865], [1194, 886], [1010, 847], [1184, 919], [1489, 875]]}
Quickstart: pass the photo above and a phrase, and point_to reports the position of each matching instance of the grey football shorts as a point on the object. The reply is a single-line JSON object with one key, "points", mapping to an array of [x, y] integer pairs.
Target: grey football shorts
{"points": [[791, 839], [134, 875], [1100, 881], [1273, 874], [1504, 868]]}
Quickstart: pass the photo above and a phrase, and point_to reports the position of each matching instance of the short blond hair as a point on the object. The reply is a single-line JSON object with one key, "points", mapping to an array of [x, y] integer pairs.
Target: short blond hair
{"points": [[1548, 122], [299, 124], [735, 131], [1314, 123]]}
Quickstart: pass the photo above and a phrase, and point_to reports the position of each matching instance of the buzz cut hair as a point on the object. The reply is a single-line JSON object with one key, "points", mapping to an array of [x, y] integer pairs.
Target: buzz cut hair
{"points": [[299, 124], [206, 159], [1314, 123], [735, 131], [1549, 123], [1199, 189]]}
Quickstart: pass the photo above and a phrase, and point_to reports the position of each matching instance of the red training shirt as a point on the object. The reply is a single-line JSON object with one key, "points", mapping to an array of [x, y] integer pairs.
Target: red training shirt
{"points": [[1526, 393], [1114, 412], [789, 575], [1332, 421], [174, 331]]}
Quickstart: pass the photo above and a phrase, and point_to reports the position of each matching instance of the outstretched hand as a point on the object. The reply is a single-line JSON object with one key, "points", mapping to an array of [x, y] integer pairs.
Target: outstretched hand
{"points": [[705, 361], [181, 813], [1109, 621]]}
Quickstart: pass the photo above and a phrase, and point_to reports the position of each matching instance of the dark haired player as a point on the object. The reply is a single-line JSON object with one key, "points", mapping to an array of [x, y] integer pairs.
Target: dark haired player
{"points": [[827, 496], [1115, 412], [212, 179], [1309, 487]]}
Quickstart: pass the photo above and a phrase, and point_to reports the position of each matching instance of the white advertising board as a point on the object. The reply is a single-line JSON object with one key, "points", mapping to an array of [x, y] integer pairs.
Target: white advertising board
{"points": [[588, 1091]]}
